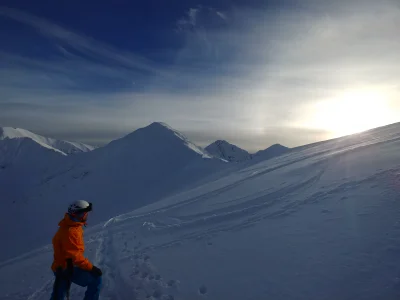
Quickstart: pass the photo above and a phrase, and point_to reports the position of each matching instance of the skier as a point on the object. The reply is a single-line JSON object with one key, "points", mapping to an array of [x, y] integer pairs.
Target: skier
{"points": [[69, 264]]}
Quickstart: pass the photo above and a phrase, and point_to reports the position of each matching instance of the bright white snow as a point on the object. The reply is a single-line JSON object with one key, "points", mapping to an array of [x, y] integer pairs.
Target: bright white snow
{"points": [[319, 222], [63, 147]]}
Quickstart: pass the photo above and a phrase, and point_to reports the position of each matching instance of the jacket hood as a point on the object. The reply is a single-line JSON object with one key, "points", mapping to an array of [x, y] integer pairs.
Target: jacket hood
{"points": [[67, 222]]}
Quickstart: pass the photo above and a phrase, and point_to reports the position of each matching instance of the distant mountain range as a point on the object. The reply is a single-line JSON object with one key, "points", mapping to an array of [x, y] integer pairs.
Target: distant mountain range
{"points": [[232, 153]]}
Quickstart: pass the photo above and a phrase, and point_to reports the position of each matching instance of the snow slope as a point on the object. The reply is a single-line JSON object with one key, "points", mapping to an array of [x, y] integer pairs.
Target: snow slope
{"points": [[25, 158], [57, 145], [227, 151], [319, 222], [136, 170], [22, 162]]}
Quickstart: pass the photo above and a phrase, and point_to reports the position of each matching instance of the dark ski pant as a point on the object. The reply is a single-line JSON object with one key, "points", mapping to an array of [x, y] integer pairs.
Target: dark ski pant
{"points": [[82, 278]]}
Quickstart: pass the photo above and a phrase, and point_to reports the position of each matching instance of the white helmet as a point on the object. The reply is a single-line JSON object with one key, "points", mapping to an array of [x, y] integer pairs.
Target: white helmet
{"points": [[78, 207]]}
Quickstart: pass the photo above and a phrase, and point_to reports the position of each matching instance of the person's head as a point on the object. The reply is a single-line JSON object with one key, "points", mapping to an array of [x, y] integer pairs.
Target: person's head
{"points": [[79, 210]]}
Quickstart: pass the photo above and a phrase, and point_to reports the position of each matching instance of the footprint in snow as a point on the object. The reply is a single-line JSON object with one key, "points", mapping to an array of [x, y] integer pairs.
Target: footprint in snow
{"points": [[157, 294], [173, 283], [202, 290]]}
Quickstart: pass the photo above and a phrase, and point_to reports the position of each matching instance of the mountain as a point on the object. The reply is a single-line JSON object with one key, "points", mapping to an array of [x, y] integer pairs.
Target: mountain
{"points": [[270, 152], [296, 226], [26, 157], [136, 170], [224, 150], [57, 145], [23, 162]]}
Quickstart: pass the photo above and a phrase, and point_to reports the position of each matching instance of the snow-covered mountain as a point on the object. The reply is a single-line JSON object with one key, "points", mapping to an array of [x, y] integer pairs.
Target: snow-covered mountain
{"points": [[24, 159], [224, 150], [22, 163], [138, 169], [57, 145], [317, 222], [272, 151]]}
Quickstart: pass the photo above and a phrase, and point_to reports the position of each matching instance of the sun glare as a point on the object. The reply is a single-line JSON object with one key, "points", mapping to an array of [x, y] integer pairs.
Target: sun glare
{"points": [[352, 112]]}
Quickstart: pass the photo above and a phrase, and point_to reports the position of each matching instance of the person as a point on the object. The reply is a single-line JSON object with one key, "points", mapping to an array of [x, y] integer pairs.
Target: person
{"points": [[70, 265]]}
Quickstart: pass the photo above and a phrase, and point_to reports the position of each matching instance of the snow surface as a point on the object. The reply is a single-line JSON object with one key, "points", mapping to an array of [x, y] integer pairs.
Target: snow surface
{"points": [[63, 147], [319, 222], [224, 150]]}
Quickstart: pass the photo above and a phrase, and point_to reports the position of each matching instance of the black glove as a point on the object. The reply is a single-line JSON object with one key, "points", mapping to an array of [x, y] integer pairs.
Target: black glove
{"points": [[96, 271]]}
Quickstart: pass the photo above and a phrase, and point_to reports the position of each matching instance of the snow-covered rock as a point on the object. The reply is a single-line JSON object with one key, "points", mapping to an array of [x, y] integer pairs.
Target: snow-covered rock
{"points": [[65, 147], [229, 152]]}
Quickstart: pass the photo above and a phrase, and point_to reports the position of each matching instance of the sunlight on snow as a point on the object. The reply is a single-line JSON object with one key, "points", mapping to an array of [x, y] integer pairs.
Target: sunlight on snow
{"points": [[353, 111]]}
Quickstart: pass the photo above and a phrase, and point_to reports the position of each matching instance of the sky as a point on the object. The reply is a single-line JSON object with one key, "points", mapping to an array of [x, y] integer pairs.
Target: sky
{"points": [[254, 73]]}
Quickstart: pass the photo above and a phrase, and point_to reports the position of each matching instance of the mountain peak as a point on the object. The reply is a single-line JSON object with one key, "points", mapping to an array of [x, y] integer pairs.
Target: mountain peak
{"points": [[222, 142], [12, 133], [160, 125], [159, 135], [227, 151], [272, 151]]}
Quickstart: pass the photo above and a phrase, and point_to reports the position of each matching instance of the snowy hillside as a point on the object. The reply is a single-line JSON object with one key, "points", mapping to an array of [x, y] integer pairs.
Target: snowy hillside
{"points": [[319, 222], [136, 170], [227, 151], [63, 146], [25, 158], [22, 164]]}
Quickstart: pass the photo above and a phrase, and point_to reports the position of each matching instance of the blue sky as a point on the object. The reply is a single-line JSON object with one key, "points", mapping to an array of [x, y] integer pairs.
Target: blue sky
{"points": [[252, 72]]}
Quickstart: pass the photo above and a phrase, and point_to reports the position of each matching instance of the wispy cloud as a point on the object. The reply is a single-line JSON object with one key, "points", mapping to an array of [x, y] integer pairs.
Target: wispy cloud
{"points": [[79, 42], [252, 76], [221, 15], [189, 21]]}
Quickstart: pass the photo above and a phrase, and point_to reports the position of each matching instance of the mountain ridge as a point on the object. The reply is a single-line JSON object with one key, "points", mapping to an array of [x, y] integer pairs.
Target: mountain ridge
{"points": [[66, 147], [227, 151]]}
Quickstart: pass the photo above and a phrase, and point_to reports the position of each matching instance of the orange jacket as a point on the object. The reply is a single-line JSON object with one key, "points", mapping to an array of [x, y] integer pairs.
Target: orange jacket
{"points": [[68, 243]]}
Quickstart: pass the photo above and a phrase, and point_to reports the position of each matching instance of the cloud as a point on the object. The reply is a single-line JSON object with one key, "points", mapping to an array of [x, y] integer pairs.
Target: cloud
{"points": [[193, 15], [221, 15], [201, 17], [189, 21], [255, 80], [81, 43]]}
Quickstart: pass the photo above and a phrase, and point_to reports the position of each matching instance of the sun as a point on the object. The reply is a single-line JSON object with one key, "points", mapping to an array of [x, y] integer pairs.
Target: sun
{"points": [[352, 112]]}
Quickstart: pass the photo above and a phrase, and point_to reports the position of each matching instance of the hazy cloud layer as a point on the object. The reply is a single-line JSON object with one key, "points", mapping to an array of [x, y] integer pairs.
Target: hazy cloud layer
{"points": [[254, 77]]}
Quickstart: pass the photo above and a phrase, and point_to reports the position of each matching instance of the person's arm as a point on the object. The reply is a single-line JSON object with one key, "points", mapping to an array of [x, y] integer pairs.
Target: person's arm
{"points": [[74, 249]]}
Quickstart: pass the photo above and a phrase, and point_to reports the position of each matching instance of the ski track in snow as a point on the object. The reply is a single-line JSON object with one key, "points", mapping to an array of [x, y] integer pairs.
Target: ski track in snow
{"points": [[127, 274], [235, 217], [105, 257], [43, 292], [126, 243]]}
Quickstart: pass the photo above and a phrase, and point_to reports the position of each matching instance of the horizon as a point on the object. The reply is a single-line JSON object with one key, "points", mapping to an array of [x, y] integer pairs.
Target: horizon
{"points": [[202, 145], [252, 73]]}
